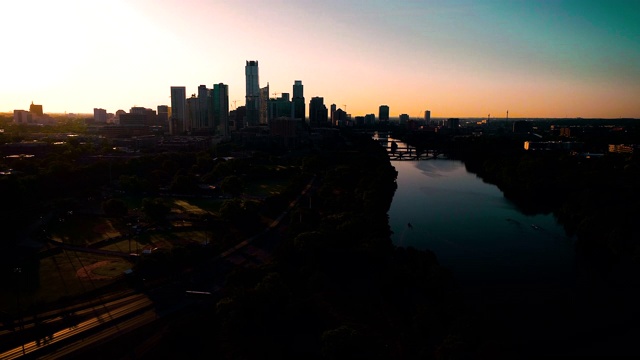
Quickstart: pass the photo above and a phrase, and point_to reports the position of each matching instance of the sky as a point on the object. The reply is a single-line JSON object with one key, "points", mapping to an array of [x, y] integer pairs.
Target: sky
{"points": [[460, 58]]}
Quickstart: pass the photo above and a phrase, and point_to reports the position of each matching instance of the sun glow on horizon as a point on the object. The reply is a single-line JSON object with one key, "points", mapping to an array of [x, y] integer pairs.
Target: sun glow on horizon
{"points": [[461, 60]]}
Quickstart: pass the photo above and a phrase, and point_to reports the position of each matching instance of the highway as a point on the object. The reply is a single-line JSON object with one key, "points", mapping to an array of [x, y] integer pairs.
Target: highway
{"points": [[57, 335]]}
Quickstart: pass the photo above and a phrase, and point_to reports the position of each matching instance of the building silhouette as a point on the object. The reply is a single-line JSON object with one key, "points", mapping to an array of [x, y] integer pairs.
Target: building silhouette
{"points": [[204, 114], [192, 114], [340, 118], [220, 102], [299, 107], [264, 104], [100, 115], [427, 117], [22, 117], [383, 113], [281, 107], [318, 115], [252, 98], [36, 109], [163, 115], [333, 114], [453, 123], [178, 110], [370, 119]]}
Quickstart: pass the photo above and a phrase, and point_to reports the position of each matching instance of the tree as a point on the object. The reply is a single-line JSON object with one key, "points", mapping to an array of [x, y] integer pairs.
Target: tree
{"points": [[231, 210], [232, 185], [114, 208], [155, 209], [184, 184]]}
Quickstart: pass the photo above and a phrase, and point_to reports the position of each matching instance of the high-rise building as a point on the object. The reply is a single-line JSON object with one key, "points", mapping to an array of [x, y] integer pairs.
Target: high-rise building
{"points": [[138, 110], [333, 114], [299, 110], [178, 110], [264, 104], [403, 118], [370, 119], [163, 115], [22, 117], [220, 95], [340, 117], [383, 113], [193, 114], [36, 109], [252, 93], [202, 120], [317, 112], [280, 107], [100, 115], [427, 117]]}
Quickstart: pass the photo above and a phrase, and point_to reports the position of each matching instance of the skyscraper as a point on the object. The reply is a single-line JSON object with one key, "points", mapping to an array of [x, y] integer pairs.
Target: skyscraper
{"points": [[383, 113], [333, 114], [317, 112], [427, 117], [299, 110], [202, 122], [252, 93], [191, 119], [281, 107], [163, 115], [264, 105], [221, 108], [178, 109]]}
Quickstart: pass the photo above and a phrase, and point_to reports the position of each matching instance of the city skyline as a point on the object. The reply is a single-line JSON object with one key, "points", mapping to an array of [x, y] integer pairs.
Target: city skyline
{"points": [[457, 59]]}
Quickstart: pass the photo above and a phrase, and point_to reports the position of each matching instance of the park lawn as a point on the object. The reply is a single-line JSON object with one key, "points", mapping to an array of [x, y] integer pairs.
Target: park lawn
{"points": [[169, 240], [199, 205], [184, 206], [123, 245], [113, 269]]}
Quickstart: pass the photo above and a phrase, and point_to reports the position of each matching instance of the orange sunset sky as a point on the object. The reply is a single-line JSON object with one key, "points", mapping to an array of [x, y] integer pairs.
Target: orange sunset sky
{"points": [[455, 58]]}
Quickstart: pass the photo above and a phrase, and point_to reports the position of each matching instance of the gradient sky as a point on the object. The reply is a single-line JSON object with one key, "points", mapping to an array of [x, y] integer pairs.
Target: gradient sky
{"points": [[456, 58]]}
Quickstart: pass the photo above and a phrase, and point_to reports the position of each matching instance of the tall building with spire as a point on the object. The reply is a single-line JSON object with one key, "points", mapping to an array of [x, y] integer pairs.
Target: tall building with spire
{"points": [[299, 108], [252, 93]]}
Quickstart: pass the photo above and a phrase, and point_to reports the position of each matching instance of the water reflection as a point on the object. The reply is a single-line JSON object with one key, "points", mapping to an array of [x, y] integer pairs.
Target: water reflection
{"points": [[522, 270]]}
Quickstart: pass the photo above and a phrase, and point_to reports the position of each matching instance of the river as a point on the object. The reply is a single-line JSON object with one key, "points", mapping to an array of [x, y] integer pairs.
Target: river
{"points": [[520, 271]]}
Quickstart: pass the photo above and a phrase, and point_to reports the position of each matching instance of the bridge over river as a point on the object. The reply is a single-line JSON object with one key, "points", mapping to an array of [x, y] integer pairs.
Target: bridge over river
{"points": [[398, 150]]}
